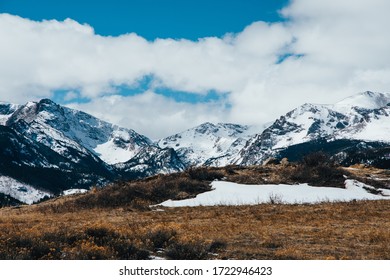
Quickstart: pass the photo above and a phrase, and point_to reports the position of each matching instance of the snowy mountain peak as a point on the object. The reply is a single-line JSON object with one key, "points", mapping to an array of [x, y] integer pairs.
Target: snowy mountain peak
{"points": [[51, 147], [220, 129], [59, 127], [207, 143], [367, 99], [364, 116], [206, 127], [6, 110]]}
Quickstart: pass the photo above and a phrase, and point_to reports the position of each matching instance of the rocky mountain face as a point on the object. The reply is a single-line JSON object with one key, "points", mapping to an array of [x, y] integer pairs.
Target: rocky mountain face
{"points": [[54, 148], [208, 144], [32, 162], [58, 128], [150, 161], [6, 110], [360, 120], [46, 148]]}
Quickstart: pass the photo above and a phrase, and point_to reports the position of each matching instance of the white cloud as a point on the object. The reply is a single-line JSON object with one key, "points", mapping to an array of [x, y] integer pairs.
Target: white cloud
{"points": [[342, 47], [70, 95], [152, 114]]}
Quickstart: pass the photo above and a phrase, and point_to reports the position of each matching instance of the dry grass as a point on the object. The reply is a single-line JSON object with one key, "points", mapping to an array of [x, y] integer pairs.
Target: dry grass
{"points": [[116, 222], [355, 230], [379, 178]]}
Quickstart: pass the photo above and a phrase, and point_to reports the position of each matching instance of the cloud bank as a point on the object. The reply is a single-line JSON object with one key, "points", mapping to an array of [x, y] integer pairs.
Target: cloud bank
{"points": [[322, 52]]}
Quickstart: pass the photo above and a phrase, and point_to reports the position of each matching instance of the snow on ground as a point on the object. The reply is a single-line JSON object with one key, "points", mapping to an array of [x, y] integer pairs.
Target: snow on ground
{"points": [[20, 191], [368, 100], [111, 153], [73, 191], [4, 118], [377, 130], [227, 193]]}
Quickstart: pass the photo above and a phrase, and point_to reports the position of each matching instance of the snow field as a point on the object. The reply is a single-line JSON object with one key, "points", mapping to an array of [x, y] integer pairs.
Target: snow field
{"points": [[21, 191], [227, 193]]}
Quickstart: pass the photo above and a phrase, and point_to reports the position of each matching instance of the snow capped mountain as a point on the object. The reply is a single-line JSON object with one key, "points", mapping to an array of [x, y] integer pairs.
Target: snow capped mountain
{"points": [[59, 127], [210, 144], [150, 161], [370, 112], [367, 99], [309, 122], [54, 148], [33, 163], [6, 110], [46, 148]]}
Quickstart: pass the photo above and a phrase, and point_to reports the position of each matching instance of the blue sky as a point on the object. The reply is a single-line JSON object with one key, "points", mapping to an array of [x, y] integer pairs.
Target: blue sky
{"points": [[163, 66], [152, 18]]}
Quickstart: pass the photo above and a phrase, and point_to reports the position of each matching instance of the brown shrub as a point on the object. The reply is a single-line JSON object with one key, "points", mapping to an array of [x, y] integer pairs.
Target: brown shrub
{"points": [[160, 238], [194, 250], [205, 174]]}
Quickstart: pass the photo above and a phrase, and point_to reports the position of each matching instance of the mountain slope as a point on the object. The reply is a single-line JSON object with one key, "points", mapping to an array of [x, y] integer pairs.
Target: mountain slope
{"points": [[53, 148], [208, 144], [311, 122], [48, 148], [367, 99], [6, 111], [35, 164], [150, 161], [59, 127]]}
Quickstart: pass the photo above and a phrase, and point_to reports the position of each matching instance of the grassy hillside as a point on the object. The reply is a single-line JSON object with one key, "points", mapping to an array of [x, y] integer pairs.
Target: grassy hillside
{"points": [[116, 222], [355, 230]]}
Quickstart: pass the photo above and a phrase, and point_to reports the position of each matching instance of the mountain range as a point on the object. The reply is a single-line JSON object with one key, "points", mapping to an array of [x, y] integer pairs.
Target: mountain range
{"points": [[46, 148]]}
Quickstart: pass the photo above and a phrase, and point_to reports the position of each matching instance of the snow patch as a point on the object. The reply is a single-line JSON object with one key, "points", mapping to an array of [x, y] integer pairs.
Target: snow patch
{"points": [[74, 191], [368, 100], [377, 130], [20, 191], [228, 193], [112, 154]]}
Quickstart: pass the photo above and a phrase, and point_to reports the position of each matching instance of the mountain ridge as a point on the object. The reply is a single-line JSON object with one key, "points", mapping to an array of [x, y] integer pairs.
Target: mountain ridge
{"points": [[207, 143], [310, 122], [53, 148]]}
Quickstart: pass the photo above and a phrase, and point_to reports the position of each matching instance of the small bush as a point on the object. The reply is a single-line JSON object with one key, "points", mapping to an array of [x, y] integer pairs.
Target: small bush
{"points": [[230, 170], [275, 199], [91, 251], [191, 186], [21, 241], [39, 250], [317, 159], [161, 191], [101, 236], [140, 204], [204, 174], [98, 232], [63, 237], [161, 238], [31, 248], [125, 250], [317, 169], [194, 250], [217, 245]]}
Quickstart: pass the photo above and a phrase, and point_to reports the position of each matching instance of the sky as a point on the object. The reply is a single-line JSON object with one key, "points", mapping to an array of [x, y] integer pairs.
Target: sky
{"points": [[162, 66]]}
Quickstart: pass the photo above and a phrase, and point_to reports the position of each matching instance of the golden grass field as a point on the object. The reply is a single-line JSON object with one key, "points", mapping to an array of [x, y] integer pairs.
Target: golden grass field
{"points": [[78, 227]]}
